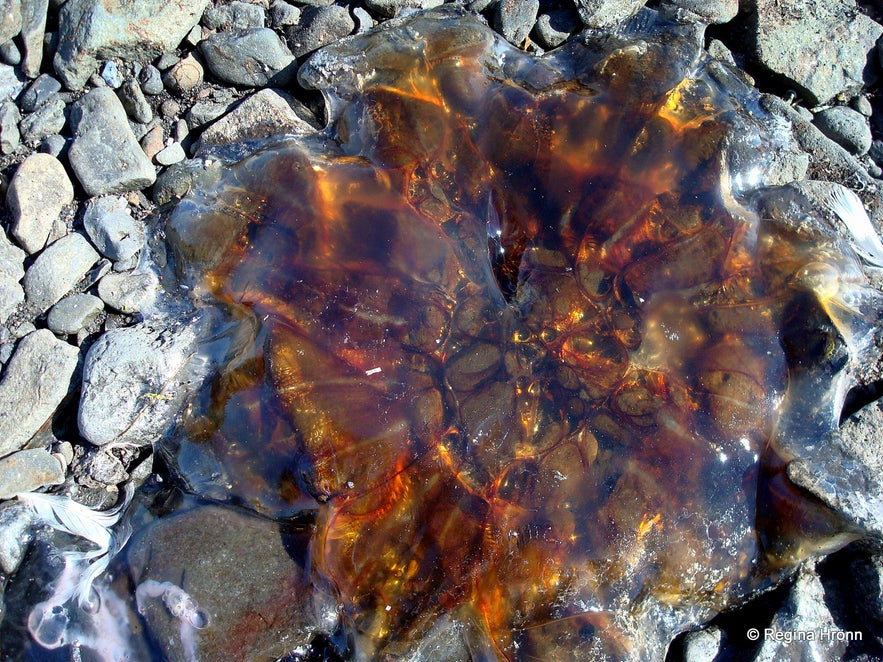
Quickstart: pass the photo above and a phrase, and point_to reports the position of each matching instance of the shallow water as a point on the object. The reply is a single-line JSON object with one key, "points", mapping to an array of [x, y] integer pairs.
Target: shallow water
{"points": [[522, 345]]}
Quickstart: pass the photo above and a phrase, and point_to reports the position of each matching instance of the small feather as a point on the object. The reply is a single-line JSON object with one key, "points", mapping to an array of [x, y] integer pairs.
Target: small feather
{"points": [[849, 209]]}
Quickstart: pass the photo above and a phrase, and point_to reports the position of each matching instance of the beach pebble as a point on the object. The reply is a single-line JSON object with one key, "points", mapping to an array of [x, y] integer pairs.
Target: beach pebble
{"points": [[11, 272], [16, 533], [283, 15], [10, 19], [38, 192], [393, 8], [9, 53], [184, 75], [28, 470], [172, 153], [11, 82], [128, 292], [152, 143], [151, 80], [33, 30], [607, 13], [255, 57], [110, 226], [10, 137], [708, 11], [54, 145], [47, 119], [73, 313], [57, 269], [845, 126], [515, 19], [234, 16], [554, 27], [176, 181], [134, 102], [43, 88], [318, 26], [110, 74]]}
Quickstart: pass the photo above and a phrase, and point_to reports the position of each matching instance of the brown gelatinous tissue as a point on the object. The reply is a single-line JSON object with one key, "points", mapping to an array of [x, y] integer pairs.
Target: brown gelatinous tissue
{"points": [[530, 337]]}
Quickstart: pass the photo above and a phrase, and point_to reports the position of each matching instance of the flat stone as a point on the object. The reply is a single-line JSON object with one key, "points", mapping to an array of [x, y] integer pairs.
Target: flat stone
{"points": [[10, 137], [33, 29], [11, 295], [515, 18], [203, 112], [393, 8], [110, 226], [708, 11], [128, 292], [151, 80], [38, 192], [104, 154], [606, 13], [16, 533], [132, 383], [553, 28], [134, 102], [784, 39], [234, 16], [44, 121], [74, 313], [39, 92], [36, 380], [202, 545], [11, 82], [319, 26], [11, 258], [10, 19], [173, 153], [94, 30], [256, 58], [28, 470], [261, 115], [57, 269], [184, 75], [847, 127]]}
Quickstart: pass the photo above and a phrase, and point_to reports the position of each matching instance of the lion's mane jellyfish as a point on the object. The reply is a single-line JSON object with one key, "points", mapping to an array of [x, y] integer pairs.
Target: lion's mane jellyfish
{"points": [[530, 339]]}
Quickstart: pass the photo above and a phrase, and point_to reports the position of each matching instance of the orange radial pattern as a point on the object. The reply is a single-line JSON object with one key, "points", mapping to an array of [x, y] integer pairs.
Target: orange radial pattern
{"points": [[516, 334]]}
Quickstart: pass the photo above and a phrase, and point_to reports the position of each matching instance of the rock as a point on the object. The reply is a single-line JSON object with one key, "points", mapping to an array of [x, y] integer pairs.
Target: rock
{"points": [[33, 29], [152, 142], [110, 74], [38, 192], [393, 8], [846, 127], [170, 108], [54, 145], [553, 28], [703, 645], [283, 15], [9, 54], [11, 258], [11, 82], [151, 80], [57, 269], [36, 380], [44, 121], [260, 115], [176, 181], [260, 611], [364, 20], [102, 467], [515, 18], [876, 151], [11, 272], [16, 534], [784, 39], [10, 138], [234, 16], [132, 383], [862, 104], [39, 92], [28, 470], [74, 313], [183, 76], [11, 295], [318, 26], [10, 19], [256, 58], [708, 11], [173, 153], [104, 154], [203, 112], [606, 13], [135, 104], [93, 30], [112, 229], [128, 292]]}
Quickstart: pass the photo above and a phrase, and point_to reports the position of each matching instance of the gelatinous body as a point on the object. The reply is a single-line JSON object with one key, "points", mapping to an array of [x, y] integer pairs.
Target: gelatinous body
{"points": [[513, 329]]}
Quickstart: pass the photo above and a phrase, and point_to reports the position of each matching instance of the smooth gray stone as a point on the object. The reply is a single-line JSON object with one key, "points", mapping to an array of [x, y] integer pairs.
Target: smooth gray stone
{"points": [[128, 292], [607, 13], [110, 226], [515, 18], [57, 269], [553, 28], [151, 80], [10, 137], [234, 16], [36, 380], [256, 58], [11, 82], [134, 102], [16, 533], [846, 127], [38, 92], [319, 26], [33, 29], [74, 313], [283, 15], [44, 121], [10, 19], [38, 192], [28, 470]]}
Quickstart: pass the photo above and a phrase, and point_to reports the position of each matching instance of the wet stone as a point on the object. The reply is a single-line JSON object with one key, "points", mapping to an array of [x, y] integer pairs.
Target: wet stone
{"points": [[39, 92], [128, 292], [846, 127], [57, 269], [256, 58], [28, 470], [38, 192], [559, 359], [74, 313], [515, 18], [15, 535], [554, 27], [319, 26], [176, 181]]}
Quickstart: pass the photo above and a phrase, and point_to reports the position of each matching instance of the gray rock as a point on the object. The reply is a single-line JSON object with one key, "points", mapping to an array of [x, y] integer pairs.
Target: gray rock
{"points": [[54, 145], [132, 97], [393, 8], [110, 74], [166, 61], [202, 545], [132, 383], [9, 54], [176, 181], [315, 3], [36, 380], [261, 115], [703, 645], [28, 470], [57, 269], [112, 229], [862, 104], [364, 20], [784, 39], [33, 29], [39, 92], [846, 127], [553, 28], [319, 26], [103, 468], [709, 11], [11, 295], [38, 192], [876, 151], [10, 19], [203, 112], [172, 153], [606, 13], [44, 121], [16, 534], [515, 18], [184, 75], [11, 258], [11, 82], [152, 142], [256, 57], [128, 292], [104, 154], [151, 80], [10, 138], [234, 16], [93, 30], [283, 15], [74, 313]]}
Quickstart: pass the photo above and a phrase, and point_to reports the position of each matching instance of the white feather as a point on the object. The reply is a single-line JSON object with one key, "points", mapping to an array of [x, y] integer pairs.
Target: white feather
{"points": [[849, 209]]}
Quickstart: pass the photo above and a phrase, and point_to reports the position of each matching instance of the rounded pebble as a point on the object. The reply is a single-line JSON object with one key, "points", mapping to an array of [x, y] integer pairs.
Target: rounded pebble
{"points": [[846, 127], [74, 313]]}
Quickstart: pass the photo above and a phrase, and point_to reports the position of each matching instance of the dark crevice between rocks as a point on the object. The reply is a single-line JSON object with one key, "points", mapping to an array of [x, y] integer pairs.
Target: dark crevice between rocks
{"points": [[859, 397]]}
